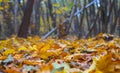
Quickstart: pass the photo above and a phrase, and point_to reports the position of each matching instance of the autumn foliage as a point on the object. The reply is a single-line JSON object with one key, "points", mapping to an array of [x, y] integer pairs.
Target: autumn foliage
{"points": [[100, 54]]}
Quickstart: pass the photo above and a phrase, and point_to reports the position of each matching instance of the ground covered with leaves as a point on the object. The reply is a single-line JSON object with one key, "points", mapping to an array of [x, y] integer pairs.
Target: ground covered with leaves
{"points": [[100, 54]]}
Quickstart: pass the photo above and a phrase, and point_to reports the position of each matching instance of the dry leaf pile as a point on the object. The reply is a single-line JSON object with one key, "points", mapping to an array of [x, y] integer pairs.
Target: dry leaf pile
{"points": [[100, 54]]}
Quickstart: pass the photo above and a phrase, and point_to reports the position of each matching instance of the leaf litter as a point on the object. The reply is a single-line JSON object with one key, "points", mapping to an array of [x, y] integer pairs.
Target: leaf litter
{"points": [[100, 54]]}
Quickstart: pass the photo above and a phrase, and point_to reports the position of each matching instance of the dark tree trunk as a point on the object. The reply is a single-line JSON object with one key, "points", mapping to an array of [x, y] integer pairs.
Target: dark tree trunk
{"points": [[37, 17], [52, 15], [23, 30]]}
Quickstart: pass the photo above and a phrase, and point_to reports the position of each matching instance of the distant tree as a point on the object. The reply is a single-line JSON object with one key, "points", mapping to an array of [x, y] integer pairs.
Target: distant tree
{"points": [[23, 30], [15, 17], [52, 15], [37, 17]]}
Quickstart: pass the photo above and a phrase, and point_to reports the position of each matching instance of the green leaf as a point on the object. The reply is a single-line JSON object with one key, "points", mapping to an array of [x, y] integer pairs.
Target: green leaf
{"points": [[29, 68], [71, 4], [9, 59], [64, 67], [57, 70]]}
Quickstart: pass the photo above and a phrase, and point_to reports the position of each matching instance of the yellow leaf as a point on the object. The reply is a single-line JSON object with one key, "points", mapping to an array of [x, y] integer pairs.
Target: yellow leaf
{"points": [[65, 8], [6, 6], [1, 8], [45, 48], [34, 47], [6, 0], [22, 48], [45, 68], [9, 51], [18, 56], [11, 71], [40, 45], [30, 62], [2, 43], [43, 52], [3, 57], [102, 65], [58, 11], [56, 4]]}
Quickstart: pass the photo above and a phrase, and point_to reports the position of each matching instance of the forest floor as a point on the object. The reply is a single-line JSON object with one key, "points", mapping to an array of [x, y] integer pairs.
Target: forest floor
{"points": [[100, 54]]}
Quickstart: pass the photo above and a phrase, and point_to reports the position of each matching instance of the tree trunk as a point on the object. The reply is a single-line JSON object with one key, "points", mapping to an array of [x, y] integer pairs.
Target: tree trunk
{"points": [[15, 17], [52, 15], [23, 30], [37, 18]]}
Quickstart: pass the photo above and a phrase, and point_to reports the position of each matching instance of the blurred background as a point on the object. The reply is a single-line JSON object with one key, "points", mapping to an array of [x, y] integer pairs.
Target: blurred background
{"points": [[59, 18]]}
